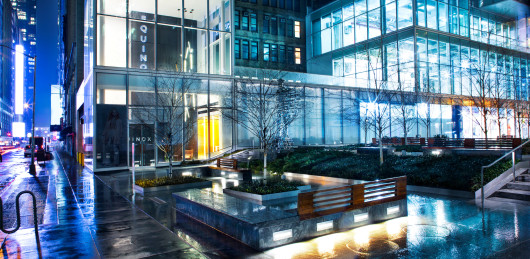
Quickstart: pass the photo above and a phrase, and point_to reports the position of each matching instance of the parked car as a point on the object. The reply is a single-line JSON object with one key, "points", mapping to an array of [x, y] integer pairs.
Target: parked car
{"points": [[27, 151]]}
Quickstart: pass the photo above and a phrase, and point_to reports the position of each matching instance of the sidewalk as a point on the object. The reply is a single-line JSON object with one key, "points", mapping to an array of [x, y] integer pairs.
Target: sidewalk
{"points": [[84, 218]]}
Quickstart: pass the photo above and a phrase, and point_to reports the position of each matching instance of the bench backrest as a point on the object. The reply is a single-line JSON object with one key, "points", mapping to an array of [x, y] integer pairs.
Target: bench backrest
{"points": [[227, 163]]}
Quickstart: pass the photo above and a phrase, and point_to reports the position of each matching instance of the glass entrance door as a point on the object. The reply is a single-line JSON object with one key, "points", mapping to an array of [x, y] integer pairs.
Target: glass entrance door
{"points": [[144, 149]]}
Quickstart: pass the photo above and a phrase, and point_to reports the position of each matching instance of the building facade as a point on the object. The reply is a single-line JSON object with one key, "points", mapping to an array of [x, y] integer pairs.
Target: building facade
{"points": [[8, 39], [132, 51], [442, 48], [26, 12], [270, 34]]}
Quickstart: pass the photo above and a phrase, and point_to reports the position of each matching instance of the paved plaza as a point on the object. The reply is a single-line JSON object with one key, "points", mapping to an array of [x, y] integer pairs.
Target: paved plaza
{"points": [[82, 215]]}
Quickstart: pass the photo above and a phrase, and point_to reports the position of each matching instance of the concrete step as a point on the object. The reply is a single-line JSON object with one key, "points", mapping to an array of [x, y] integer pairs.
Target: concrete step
{"points": [[513, 194], [525, 186], [504, 200], [523, 178]]}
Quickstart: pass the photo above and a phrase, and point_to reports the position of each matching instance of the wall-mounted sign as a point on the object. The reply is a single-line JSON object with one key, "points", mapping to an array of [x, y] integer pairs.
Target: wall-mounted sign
{"points": [[142, 45]]}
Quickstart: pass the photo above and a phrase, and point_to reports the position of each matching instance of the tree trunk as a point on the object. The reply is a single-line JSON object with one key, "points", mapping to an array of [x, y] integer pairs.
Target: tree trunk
{"points": [[265, 164], [486, 128], [170, 161], [380, 150]]}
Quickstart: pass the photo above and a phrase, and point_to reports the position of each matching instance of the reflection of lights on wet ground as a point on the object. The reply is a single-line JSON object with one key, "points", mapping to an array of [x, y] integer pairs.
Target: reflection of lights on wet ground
{"points": [[440, 213], [375, 239]]}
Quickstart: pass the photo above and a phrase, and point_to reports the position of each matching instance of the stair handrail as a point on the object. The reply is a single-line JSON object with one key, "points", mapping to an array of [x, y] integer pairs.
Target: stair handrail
{"points": [[512, 152]]}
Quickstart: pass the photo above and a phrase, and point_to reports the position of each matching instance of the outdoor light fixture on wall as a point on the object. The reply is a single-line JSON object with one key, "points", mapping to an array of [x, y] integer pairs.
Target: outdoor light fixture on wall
{"points": [[360, 217], [325, 225], [284, 234], [392, 210]]}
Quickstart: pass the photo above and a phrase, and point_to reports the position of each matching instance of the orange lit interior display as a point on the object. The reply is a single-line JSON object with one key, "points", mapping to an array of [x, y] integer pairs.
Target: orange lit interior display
{"points": [[202, 136]]}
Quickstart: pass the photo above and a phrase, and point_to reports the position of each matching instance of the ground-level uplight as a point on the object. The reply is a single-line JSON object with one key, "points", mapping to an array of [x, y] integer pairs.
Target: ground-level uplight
{"points": [[325, 225], [284, 234], [360, 217], [392, 210]]}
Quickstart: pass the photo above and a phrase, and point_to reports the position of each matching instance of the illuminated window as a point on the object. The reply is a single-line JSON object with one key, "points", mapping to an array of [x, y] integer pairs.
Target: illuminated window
{"points": [[297, 29], [297, 56]]}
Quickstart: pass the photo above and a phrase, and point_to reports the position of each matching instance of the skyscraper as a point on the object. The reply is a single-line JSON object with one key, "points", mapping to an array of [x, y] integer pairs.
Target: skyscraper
{"points": [[26, 13]]}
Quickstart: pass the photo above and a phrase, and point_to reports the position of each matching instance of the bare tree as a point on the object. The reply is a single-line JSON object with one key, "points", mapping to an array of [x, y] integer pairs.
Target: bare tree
{"points": [[499, 99], [424, 97], [406, 115], [265, 106], [170, 119]]}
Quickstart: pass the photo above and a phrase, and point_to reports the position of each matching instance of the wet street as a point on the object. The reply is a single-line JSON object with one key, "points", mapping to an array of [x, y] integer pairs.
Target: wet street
{"points": [[85, 216]]}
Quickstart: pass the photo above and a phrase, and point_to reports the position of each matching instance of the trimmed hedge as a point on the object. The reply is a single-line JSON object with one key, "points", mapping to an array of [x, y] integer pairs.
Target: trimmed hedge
{"points": [[162, 181], [451, 172], [274, 185]]}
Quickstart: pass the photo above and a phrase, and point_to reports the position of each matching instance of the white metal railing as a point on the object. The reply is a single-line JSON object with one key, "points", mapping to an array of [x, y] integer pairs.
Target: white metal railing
{"points": [[512, 152]]}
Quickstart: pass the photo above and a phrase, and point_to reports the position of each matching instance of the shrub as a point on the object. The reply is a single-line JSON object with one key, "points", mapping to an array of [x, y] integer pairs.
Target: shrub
{"points": [[162, 181], [274, 185], [409, 148]]}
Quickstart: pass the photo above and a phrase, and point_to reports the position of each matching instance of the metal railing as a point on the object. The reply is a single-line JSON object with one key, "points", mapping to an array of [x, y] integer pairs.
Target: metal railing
{"points": [[35, 221], [512, 152]]}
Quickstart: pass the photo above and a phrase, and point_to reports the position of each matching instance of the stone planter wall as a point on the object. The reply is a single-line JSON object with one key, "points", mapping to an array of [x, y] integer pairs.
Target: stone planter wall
{"points": [[171, 188], [266, 197]]}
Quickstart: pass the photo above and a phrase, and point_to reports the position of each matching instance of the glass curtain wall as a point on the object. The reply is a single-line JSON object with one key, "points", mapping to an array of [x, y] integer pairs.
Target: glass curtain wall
{"points": [[134, 108], [359, 21], [164, 35]]}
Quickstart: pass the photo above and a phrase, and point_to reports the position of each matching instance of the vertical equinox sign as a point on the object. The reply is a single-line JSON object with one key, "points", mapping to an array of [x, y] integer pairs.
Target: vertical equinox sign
{"points": [[142, 45], [19, 80]]}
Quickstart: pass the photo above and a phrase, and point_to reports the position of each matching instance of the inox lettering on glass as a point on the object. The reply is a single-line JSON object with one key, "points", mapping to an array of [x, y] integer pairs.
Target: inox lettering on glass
{"points": [[140, 139]]}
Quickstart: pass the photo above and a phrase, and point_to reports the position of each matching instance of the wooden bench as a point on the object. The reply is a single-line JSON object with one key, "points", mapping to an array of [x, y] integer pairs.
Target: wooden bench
{"points": [[226, 164]]}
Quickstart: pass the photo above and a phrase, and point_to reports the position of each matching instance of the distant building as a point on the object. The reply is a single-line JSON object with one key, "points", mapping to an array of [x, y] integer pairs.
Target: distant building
{"points": [[8, 39], [26, 13]]}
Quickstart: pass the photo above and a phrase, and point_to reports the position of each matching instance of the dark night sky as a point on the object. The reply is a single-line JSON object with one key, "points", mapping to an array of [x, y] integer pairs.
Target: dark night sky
{"points": [[47, 53]]}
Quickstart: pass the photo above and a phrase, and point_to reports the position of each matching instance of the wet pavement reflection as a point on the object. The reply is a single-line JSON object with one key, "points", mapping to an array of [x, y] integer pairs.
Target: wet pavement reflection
{"points": [[91, 216]]}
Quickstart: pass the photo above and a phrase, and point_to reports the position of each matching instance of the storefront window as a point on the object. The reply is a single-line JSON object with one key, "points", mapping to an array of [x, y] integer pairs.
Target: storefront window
{"points": [[112, 7], [112, 41], [142, 10], [169, 12]]}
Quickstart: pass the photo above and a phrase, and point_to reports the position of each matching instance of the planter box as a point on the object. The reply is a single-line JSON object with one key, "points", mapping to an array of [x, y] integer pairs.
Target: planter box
{"points": [[266, 197], [171, 188]]}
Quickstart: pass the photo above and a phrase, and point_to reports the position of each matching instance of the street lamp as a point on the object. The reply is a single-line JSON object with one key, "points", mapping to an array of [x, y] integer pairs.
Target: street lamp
{"points": [[32, 169]]}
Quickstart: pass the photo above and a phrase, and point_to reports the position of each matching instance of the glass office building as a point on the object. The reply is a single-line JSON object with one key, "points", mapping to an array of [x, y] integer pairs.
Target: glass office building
{"points": [[428, 46], [133, 48]]}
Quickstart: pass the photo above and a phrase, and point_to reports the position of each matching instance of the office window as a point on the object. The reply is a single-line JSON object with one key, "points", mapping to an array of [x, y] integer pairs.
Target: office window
{"points": [[290, 28], [281, 4], [266, 49], [297, 56], [266, 20], [281, 29], [236, 20], [453, 20], [274, 26], [464, 23], [432, 21], [254, 50], [360, 7], [390, 23], [253, 1], [244, 49], [347, 12], [290, 55], [289, 4], [265, 2], [420, 15], [272, 3], [360, 28], [281, 54], [405, 13], [349, 36], [374, 26], [253, 22], [274, 53], [442, 17], [297, 5], [244, 21], [237, 53], [297, 29]]}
